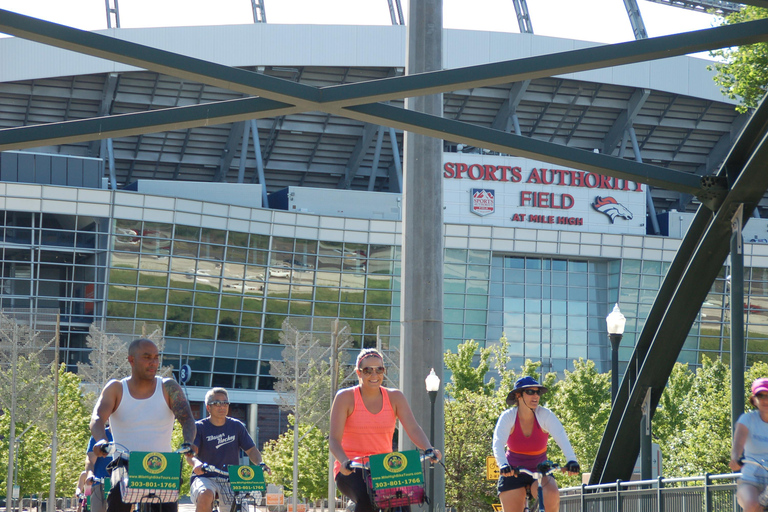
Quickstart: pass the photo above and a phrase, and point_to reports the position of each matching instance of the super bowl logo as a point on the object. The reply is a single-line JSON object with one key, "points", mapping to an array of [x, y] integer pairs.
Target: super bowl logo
{"points": [[482, 201], [395, 462], [154, 463], [246, 473]]}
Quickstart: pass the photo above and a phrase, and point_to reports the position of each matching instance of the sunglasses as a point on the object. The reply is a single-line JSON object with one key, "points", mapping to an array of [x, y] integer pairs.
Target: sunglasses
{"points": [[369, 370], [532, 392], [218, 402]]}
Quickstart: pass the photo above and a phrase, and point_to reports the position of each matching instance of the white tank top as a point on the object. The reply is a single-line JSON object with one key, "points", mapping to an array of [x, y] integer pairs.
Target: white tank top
{"points": [[143, 425]]}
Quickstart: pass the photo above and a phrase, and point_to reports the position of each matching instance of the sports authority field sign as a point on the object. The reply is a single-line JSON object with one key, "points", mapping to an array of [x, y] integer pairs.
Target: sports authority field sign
{"points": [[506, 191]]}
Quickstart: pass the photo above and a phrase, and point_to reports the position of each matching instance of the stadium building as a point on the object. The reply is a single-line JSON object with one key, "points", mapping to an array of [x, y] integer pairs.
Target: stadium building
{"points": [[219, 234]]}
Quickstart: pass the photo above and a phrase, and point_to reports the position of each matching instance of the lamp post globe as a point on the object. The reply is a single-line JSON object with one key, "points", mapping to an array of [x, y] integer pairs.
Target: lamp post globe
{"points": [[432, 383], [615, 322]]}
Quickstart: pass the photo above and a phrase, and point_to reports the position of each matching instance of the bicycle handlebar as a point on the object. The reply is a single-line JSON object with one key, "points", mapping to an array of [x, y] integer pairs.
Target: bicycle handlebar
{"points": [[110, 448], [754, 462], [210, 468], [542, 470], [357, 463]]}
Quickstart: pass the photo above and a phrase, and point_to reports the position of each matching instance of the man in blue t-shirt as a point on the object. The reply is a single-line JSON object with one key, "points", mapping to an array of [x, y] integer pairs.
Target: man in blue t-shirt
{"points": [[96, 468], [218, 443]]}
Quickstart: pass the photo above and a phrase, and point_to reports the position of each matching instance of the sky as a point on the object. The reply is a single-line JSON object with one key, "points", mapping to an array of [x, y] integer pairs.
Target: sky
{"points": [[603, 21]]}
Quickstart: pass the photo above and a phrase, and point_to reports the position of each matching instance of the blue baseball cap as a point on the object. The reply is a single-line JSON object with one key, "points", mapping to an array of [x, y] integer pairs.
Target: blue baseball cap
{"points": [[521, 384]]}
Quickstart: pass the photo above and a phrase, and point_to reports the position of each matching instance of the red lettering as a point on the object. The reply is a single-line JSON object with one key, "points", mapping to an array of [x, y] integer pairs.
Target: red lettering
{"points": [[566, 201], [591, 180], [517, 175], [577, 178], [638, 187], [525, 197], [460, 168], [471, 175], [561, 176], [543, 199], [605, 182], [534, 176], [544, 174], [448, 170], [504, 170], [490, 173]]}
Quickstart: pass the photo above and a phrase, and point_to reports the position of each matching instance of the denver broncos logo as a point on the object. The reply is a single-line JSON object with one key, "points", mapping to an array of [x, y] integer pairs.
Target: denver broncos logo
{"points": [[611, 208]]}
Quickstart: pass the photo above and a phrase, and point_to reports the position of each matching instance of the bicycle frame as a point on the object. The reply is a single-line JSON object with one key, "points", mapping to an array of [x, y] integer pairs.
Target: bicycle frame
{"points": [[542, 470], [238, 498], [396, 498]]}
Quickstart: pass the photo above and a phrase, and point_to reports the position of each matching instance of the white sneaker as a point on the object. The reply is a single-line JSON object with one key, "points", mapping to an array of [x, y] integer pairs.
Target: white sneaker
{"points": [[350, 506]]}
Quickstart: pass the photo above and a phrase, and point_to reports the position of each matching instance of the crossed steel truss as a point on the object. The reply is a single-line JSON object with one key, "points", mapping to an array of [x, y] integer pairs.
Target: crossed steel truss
{"points": [[742, 180]]}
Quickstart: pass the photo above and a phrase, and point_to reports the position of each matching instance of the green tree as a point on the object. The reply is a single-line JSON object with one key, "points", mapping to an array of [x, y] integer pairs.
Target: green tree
{"points": [[313, 461], [72, 432], [743, 72], [671, 415], [582, 403], [177, 438], [707, 413], [465, 376]]}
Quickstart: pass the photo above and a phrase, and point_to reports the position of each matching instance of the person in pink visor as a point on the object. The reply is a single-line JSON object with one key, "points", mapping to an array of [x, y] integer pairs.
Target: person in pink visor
{"points": [[750, 439]]}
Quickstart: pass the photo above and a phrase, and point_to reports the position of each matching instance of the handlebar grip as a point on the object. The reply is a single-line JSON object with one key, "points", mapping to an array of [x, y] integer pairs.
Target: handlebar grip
{"points": [[208, 468]]}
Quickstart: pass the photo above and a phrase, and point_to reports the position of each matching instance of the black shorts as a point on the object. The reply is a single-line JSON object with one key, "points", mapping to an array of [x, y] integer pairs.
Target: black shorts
{"points": [[508, 483]]}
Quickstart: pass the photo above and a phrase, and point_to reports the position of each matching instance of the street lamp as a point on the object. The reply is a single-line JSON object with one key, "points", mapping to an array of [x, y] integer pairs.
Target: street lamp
{"points": [[433, 385], [615, 322]]}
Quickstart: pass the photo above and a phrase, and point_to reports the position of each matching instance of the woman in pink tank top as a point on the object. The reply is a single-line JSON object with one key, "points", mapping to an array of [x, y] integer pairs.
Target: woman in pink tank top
{"points": [[520, 441], [363, 420]]}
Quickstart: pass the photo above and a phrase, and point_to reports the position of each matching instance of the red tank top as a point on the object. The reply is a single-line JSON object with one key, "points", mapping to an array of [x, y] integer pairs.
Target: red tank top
{"points": [[535, 444]]}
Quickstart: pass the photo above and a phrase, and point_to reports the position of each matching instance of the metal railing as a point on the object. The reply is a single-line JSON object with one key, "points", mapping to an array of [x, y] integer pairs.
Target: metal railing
{"points": [[707, 493]]}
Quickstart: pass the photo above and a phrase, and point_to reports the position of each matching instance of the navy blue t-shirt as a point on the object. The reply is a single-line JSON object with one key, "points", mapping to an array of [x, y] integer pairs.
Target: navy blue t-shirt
{"points": [[100, 467], [220, 446]]}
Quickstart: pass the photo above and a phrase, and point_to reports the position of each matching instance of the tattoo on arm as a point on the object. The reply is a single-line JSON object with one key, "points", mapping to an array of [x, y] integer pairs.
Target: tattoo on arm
{"points": [[180, 407]]}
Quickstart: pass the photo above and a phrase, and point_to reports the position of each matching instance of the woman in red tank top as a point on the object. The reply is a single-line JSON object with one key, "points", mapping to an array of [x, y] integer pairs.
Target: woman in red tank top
{"points": [[520, 441], [363, 420]]}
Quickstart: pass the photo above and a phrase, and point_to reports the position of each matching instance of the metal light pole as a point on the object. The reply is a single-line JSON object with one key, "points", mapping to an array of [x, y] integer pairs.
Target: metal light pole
{"points": [[615, 322], [433, 385]]}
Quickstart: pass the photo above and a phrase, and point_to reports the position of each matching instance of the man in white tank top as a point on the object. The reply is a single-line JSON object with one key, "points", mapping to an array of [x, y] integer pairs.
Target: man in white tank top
{"points": [[141, 410]]}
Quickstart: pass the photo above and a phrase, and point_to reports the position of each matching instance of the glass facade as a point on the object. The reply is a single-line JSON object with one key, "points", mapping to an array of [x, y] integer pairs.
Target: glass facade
{"points": [[221, 286]]}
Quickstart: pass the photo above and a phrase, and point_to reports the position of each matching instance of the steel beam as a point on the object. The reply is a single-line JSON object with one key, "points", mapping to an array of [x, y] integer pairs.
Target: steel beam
{"points": [[358, 155], [541, 66], [331, 99], [125, 125], [685, 287], [160, 61], [526, 147]]}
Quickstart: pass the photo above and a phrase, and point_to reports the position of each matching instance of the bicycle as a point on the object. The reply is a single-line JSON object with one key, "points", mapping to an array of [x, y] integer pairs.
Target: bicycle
{"points": [[543, 469], [398, 498], [152, 481], [242, 498], [763, 496]]}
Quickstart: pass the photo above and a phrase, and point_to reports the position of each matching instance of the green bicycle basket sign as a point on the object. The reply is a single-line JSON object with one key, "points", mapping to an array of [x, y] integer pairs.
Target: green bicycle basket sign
{"points": [[396, 469], [246, 479], [154, 470]]}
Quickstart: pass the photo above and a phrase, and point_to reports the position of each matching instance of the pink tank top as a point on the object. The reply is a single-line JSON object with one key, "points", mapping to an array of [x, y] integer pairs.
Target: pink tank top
{"points": [[366, 433], [536, 444]]}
